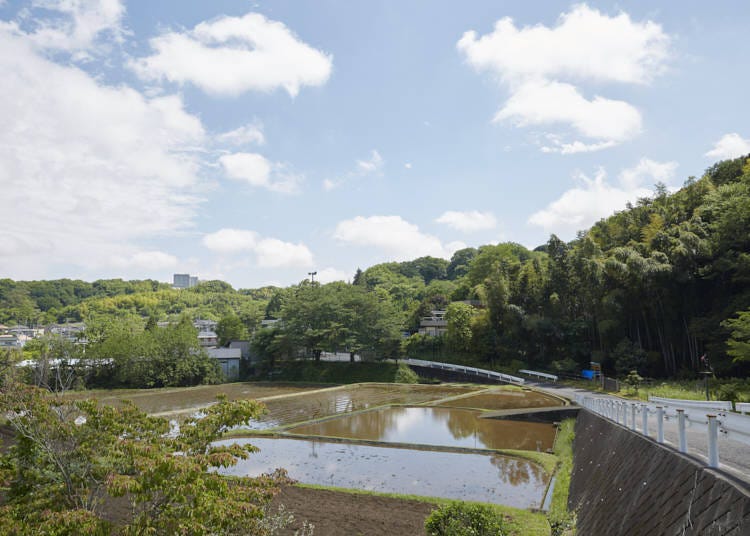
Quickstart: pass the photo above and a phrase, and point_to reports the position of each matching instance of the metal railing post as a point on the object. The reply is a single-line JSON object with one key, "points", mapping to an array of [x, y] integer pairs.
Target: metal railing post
{"points": [[713, 441], [632, 417], [681, 429], [644, 419], [660, 424]]}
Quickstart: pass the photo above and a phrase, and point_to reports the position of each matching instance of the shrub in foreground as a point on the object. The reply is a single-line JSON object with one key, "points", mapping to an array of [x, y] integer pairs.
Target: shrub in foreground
{"points": [[464, 519]]}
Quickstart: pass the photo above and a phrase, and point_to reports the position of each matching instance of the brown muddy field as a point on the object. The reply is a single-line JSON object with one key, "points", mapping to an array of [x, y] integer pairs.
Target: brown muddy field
{"points": [[504, 399], [168, 400], [343, 514]]}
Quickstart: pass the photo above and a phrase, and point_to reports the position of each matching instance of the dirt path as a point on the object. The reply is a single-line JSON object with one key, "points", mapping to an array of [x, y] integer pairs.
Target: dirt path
{"points": [[344, 514]]}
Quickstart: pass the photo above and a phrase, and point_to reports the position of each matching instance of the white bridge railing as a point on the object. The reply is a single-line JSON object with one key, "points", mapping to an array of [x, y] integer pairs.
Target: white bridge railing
{"points": [[542, 375], [635, 415], [466, 370]]}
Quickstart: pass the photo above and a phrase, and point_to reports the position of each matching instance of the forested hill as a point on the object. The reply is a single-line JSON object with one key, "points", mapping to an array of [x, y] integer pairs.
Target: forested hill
{"points": [[653, 287]]}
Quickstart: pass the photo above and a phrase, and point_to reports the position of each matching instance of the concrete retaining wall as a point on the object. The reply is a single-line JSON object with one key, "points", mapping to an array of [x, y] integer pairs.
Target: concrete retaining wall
{"points": [[625, 484]]}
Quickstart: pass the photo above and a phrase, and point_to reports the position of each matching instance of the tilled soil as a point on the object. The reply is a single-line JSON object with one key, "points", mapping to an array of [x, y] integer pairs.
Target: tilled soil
{"points": [[345, 514]]}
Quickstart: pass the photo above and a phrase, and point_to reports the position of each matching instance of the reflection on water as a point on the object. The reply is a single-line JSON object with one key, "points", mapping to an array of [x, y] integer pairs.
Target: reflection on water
{"points": [[470, 477], [316, 405], [435, 426]]}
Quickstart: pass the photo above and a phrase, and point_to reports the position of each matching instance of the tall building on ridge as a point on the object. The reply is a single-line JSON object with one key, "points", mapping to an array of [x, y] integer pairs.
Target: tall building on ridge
{"points": [[184, 281]]}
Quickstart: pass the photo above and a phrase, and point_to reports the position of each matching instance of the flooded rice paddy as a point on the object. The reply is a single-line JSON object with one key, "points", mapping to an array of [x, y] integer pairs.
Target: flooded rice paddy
{"points": [[433, 419], [330, 402], [449, 427], [466, 476]]}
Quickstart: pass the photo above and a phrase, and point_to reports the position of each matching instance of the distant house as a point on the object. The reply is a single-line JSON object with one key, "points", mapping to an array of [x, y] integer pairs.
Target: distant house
{"points": [[72, 332], [228, 359], [270, 322], [208, 338], [434, 325], [202, 324], [10, 341]]}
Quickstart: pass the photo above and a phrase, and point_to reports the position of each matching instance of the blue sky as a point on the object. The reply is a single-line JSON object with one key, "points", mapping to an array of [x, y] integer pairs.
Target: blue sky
{"points": [[258, 141]]}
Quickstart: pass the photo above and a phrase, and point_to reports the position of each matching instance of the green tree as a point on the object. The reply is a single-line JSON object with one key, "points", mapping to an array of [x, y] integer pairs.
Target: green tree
{"points": [[229, 328], [71, 458], [459, 315]]}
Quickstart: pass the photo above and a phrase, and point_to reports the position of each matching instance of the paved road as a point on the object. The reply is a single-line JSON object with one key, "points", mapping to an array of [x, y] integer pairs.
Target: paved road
{"points": [[734, 452]]}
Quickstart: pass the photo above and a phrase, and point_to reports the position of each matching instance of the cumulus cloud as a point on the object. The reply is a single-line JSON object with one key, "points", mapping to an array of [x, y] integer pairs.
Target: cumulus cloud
{"points": [[87, 169], [79, 25], [269, 252], [247, 134], [146, 260], [595, 198], [329, 275], [399, 239], [730, 146], [232, 55], [468, 221], [255, 170], [539, 66], [545, 103], [369, 166]]}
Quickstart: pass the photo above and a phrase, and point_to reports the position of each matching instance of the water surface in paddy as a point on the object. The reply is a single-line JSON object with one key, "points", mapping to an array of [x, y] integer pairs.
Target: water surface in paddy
{"points": [[469, 477], [448, 427], [330, 402]]}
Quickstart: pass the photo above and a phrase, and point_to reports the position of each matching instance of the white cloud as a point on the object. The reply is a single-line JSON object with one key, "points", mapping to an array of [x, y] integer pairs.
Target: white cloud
{"points": [[468, 221], [80, 23], [86, 169], [647, 172], [408, 165], [543, 103], [329, 275], [593, 199], [146, 260], [398, 238], [585, 45], [231, 240], [730, 146], [373, 164], [257, 171], [269, 252], [247, 134], [232, 55], [274, 253]]}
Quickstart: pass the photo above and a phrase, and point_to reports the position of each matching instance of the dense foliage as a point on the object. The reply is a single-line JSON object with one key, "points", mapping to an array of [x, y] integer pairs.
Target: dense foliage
{"points": [[652, 288], [74, 462], [465, 519]]}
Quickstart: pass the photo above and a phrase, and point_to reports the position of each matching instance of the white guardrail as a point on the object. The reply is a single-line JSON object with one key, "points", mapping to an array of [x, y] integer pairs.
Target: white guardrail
{"points": [[542, 375], [635, 415], [466, 370]]}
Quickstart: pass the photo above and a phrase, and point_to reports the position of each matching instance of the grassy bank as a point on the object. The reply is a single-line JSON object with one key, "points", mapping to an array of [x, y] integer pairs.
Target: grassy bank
{"points": [[733, 389], [335, 372], [560, 519]]}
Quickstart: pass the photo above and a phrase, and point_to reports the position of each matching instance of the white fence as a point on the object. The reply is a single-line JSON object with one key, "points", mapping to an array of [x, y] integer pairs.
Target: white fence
{"points": [[718, 405], [466, 370], [542, 375], [635, 416]]}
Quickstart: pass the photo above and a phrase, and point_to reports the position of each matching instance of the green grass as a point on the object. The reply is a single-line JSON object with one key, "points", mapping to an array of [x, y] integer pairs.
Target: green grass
{"points": [[339, 373], [560, 519], [519, 522]]}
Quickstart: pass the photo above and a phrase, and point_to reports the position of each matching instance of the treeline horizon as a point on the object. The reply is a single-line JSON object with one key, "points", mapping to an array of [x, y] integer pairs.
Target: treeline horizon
{"points": [[653, 288]]}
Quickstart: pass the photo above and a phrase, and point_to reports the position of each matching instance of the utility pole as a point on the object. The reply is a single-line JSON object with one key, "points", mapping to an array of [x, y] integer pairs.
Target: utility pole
{"points": [[312, 276]]}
